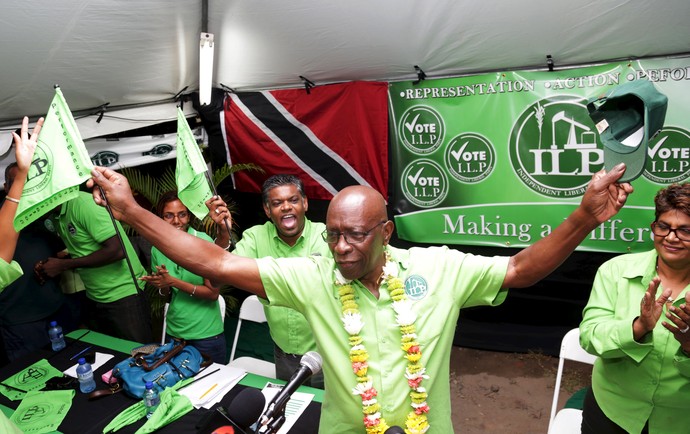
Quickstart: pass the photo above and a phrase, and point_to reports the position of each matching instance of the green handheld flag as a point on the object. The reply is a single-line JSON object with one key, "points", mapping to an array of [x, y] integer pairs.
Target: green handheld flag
{"points": [[192, 187], [60, 164]]}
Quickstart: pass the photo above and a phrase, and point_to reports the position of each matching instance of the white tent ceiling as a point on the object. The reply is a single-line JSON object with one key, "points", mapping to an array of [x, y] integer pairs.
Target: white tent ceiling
{"points": [[135, 52]]}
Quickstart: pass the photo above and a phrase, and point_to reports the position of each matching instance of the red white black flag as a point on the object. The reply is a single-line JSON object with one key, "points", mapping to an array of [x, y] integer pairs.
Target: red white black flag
{"points": [[332, 137]]}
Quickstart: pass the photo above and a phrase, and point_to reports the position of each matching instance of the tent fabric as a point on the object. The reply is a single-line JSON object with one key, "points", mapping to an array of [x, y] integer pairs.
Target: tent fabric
{"points": [[124, 53]]}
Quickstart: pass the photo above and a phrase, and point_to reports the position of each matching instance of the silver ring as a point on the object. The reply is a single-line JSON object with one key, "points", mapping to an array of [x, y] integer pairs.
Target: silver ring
{"points": [[685, 330], [217, 211]]}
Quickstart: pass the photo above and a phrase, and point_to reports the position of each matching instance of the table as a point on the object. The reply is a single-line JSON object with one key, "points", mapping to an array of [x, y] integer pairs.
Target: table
{"points": [[92, 416]]}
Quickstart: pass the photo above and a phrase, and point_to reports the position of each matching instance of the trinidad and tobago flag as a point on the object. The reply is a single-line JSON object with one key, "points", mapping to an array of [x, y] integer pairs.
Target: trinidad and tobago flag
{"points": [[334, 136]]}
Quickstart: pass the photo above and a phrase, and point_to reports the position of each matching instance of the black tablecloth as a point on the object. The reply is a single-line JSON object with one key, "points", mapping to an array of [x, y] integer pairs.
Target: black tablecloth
{"points": [[85, 417]]}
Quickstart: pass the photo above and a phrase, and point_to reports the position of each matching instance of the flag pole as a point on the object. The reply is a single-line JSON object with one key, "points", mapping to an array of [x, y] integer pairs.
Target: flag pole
{"points": [[119, 237], [215, 193]]}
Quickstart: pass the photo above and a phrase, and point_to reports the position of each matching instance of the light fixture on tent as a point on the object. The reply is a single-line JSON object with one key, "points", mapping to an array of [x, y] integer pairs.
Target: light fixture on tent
{"points": [[205, 68]]}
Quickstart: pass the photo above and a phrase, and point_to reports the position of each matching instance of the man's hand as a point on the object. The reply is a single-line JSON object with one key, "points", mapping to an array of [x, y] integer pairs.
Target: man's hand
{"points": [[604, 196], [118, 194], [52, 267], [25, 145], [218, 210]]}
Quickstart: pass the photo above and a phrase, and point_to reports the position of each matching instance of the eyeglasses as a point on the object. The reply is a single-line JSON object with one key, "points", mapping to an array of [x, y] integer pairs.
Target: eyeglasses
{"points": [[351, 237], [180, 215], [662, 230]]}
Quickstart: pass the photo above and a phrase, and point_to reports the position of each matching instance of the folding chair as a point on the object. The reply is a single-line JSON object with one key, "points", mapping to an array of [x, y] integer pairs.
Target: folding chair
{"points": [[568, 420], [251, 310], [221, 305]]}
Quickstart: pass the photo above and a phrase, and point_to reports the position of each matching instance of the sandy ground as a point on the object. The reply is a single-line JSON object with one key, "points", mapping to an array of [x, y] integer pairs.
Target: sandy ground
{"points": [[508, 393]]}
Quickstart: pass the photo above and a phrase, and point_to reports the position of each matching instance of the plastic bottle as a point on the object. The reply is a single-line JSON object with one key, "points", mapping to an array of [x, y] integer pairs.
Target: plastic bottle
{"points": [[151, 399], [57, 340], [85, 375]]}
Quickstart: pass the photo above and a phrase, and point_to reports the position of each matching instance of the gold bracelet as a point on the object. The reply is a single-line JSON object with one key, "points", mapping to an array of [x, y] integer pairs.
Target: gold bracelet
{"points": [[11, 199], [193, 291]]}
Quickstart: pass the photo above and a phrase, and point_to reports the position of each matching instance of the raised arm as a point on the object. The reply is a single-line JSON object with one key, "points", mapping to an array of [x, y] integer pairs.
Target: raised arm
{"points": [[196, 255], [25, 146], [602, 200]]}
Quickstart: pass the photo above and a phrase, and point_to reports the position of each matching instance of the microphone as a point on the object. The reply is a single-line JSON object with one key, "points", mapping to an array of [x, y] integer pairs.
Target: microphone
{"points": [[394, 430], [310, 364], [240, 414], [225, 429]]}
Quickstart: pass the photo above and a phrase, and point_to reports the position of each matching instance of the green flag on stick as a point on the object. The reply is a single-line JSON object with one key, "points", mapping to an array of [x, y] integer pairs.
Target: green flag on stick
{"points": [[190, 173], [60, 164]]}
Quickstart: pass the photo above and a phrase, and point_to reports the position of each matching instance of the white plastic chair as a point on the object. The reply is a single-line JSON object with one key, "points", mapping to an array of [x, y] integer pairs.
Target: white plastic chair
{"points": [[568, 420], [221, 305], [251, 310]]}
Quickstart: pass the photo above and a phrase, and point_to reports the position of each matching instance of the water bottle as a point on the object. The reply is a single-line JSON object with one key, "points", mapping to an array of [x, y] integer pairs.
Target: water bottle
{"points": [[85, 376], [151, 399], [57, 340]]}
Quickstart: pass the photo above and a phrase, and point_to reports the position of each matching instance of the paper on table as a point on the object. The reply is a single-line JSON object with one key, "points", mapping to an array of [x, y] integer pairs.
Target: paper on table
{"points": [[101, 359], [294, 408], [211, 389]]}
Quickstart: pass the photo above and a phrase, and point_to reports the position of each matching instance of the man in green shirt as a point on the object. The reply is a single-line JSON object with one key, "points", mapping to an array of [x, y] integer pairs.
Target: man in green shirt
{"points": [[287, 234], [115, 305], [383, 318]]}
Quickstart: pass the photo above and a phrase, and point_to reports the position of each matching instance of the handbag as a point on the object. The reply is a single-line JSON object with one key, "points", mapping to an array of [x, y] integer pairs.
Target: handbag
{"points": [[168, 364]]}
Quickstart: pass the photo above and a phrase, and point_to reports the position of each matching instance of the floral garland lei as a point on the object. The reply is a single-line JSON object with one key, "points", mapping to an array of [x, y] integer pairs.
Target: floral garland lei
{"points": [[416, 422]]}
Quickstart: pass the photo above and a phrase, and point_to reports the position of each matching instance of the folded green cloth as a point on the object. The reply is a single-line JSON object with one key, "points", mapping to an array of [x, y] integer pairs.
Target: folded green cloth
{"points": [[172, 407], [42, 412], [33, 377]]}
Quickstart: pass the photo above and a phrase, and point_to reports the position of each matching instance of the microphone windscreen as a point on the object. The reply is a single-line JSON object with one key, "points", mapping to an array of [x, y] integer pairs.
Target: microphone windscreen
{"points": [[313, 361], [246, 407], [225, 429]]}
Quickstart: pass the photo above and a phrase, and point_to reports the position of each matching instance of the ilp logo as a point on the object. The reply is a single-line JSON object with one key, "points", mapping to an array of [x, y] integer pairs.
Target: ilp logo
{"points": [[421, 129], [668, 157], [424, 183], [554, 148], [40, 171], [470, 157], [416, 287]]}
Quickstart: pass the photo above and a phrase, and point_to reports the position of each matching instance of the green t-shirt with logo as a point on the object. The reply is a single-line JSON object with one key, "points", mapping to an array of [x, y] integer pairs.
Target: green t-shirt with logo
{"points": [[83, 227], [189, 317], [289, 329]]}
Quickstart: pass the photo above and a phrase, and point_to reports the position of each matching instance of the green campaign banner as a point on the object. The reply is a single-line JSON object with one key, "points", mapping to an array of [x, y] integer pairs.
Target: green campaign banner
{"points": [[501, 159]]}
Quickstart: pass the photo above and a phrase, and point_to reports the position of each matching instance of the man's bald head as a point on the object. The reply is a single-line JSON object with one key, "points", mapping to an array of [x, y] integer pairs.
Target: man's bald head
{"points": [[359, 199]]}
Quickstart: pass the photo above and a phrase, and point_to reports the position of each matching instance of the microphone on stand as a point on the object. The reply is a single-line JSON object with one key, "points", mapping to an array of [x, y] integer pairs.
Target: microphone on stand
{"points": [[242, 412], [310, 364]]}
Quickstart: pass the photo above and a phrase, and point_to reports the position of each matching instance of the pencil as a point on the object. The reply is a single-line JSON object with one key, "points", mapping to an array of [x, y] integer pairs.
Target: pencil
{"points": [[209, 390], [80, 353]]}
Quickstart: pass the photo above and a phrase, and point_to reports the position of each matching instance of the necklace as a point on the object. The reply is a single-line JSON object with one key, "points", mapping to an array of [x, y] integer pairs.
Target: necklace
{"points": [[416, 421]]}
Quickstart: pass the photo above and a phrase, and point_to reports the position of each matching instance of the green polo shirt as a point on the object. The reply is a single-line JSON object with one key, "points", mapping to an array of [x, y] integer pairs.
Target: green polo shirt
{"points": [[438, 280], [9, 273], [83, 227], [189, 317], [634, 382], [289, 329]]}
